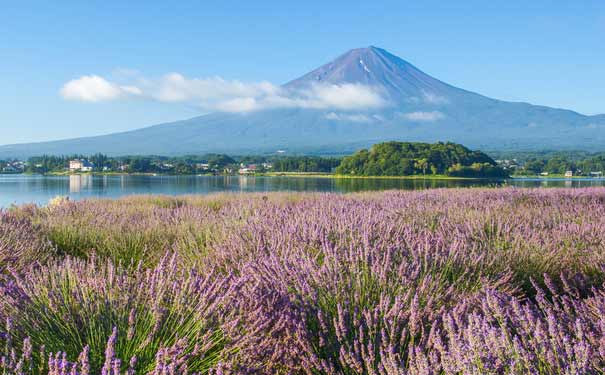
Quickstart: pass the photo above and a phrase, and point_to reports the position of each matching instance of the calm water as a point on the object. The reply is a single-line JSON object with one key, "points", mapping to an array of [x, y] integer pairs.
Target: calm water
{"points": [[18, 189]]}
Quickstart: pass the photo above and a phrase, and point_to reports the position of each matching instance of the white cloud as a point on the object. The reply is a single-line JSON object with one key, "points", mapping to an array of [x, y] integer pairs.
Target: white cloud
{"points": [[238, 105], [95, 89], [174, 87], [433, 98], [216, 93], [429, 98], [345, 96], [423, 116], [131, 90], [349, 117]]}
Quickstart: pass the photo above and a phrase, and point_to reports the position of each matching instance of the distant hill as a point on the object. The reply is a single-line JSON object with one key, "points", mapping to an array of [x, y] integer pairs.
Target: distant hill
{"points": [[414, 158], [420, 108]]}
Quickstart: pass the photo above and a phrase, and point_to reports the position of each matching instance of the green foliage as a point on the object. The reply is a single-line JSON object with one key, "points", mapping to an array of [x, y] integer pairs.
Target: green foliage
{"points": [[305, 164], [405, 158], [555, 162], [534, 166], [476, 170], [132, 239]]}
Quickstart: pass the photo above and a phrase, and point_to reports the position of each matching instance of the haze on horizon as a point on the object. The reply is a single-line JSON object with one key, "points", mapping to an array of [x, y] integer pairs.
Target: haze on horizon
{"points": [[102, 67]]}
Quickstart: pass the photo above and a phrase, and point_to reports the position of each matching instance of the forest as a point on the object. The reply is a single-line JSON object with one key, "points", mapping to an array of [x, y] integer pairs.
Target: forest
{"points": [[410, 158]]}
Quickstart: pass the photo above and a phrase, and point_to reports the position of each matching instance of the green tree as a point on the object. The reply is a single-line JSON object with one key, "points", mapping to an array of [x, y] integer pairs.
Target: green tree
{"points": [[422, 164]]}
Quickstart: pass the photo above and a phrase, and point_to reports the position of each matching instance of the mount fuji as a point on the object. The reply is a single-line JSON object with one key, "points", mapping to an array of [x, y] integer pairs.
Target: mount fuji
{"points": [[417, 107]]}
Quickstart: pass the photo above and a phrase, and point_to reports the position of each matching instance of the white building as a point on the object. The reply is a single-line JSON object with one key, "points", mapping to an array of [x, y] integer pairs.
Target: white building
{"points": [[249, 169], [80, 165]]}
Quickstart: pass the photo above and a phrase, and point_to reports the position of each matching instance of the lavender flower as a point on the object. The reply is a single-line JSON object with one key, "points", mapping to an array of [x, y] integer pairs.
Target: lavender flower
{"points": [[478, 281]]}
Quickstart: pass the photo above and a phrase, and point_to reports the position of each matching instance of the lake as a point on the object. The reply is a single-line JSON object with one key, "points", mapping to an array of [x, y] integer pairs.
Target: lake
{"points": [[19, 189]]}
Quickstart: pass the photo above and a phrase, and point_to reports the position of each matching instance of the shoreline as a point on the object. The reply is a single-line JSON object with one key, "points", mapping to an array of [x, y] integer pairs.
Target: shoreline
{"points": [[311, 175], [268, 174], [344, 177]]}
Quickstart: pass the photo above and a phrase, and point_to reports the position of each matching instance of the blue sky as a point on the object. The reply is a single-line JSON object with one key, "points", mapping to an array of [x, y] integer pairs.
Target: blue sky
{"points": [[543, 52]]}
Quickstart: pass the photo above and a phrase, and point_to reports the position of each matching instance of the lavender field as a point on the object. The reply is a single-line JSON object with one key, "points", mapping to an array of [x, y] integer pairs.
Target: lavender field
{"points": [[447, 281]]}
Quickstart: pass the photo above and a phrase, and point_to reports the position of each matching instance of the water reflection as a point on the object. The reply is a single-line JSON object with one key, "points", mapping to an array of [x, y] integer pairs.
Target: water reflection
{"points": [[39, 189], [369, 184], [79, 183]]}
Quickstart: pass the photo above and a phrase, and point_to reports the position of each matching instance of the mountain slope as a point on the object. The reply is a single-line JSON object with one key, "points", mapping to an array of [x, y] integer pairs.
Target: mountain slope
{"points": [[420, 108], [376, 67]]}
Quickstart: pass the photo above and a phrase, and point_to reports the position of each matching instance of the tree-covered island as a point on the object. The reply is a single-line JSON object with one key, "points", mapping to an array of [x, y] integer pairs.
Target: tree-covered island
{"points": [[412, 158]]}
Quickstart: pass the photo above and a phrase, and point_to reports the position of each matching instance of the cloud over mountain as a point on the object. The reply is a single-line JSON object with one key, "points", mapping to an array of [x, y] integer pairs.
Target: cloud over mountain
{"points": [[423, 116], [355, 117], [218, 94]]}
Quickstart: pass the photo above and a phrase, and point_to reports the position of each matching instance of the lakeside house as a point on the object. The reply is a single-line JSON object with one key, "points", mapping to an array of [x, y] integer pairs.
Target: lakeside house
{"points": [[569, 174], [254, 168], [13, 167], [10, 169], [508, 164], [80, 165], [247, 169]]}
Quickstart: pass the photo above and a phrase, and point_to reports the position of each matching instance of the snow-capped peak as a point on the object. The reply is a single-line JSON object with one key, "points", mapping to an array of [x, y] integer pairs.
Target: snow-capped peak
{"points": [[364, 66]]}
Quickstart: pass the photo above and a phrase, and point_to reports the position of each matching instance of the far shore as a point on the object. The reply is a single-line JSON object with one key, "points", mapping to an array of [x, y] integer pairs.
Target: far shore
{"points": [[341, 176], [315, 175], [269, 174], [556, 176]]}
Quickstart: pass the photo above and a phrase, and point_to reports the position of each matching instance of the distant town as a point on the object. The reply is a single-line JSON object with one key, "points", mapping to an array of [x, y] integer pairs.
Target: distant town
{"points": [[186, 165]]}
